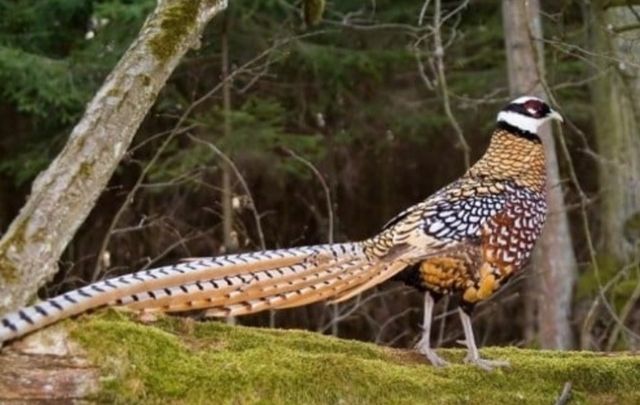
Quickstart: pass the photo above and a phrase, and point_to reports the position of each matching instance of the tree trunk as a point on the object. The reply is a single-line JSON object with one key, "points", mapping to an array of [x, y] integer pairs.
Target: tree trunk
{"points": [[64, 194], [554, 262], [616, 100]]}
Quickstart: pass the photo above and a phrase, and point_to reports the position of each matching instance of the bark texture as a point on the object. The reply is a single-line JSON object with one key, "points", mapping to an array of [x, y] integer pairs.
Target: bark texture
{"points": [[64, 194], [48, 379], [46, 367], [554, 263], [616, 99]]}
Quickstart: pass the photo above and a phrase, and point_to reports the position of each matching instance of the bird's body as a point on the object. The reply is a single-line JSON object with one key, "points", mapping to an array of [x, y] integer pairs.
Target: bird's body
{"points": [[489, 220], [467, 239]]}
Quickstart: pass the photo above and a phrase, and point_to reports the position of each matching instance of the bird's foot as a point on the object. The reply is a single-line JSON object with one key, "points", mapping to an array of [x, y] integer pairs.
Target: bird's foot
{"points": [[486, 364], [431, 354]]}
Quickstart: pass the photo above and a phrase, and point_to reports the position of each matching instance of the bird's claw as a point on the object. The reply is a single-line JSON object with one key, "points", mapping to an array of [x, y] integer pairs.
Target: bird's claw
{"points": [[486, 364], [431, 355], [434, 359]]}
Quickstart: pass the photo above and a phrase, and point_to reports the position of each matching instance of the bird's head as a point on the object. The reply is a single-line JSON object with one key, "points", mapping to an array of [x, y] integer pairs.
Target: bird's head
{"points": [[526, 114]]}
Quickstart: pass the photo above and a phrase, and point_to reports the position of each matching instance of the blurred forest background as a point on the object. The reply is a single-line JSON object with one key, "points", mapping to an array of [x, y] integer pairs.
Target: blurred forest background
{"points": [[333, 123]]}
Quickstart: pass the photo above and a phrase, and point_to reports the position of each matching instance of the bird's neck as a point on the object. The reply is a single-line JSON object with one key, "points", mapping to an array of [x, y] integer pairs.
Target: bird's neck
{"points": [[512, 156]]}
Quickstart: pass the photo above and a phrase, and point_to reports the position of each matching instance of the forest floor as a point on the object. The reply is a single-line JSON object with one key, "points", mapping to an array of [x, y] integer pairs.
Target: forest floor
{"points": [[177, 360]]}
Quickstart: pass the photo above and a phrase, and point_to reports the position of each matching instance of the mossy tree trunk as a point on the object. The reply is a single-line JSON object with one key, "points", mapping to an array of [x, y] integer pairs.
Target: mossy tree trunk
{"points": [[616, 101], [63, 195], [554, 264]]}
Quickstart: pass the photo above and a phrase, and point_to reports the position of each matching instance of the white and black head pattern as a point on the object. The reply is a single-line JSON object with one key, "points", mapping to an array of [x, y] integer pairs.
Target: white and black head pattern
{"points": [[525, 115]]}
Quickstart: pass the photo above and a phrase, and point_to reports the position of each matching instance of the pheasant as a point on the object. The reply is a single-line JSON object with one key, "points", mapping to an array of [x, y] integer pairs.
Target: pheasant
{"points": [[465, 240]]}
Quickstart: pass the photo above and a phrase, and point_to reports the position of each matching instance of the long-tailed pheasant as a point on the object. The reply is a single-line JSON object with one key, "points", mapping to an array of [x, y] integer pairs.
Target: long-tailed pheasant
{"points": [[467, 239]]}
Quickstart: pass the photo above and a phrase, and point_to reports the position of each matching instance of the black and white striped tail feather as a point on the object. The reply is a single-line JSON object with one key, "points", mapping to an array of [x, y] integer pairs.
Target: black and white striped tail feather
{"points": [[285, 283], [348, 276], [383, 272], [240, 288], [349, 280], [28, 319], [328, 289]]}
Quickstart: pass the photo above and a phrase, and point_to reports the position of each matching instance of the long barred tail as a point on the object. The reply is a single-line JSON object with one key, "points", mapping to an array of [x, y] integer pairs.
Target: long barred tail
{"points": [[228, 285]]}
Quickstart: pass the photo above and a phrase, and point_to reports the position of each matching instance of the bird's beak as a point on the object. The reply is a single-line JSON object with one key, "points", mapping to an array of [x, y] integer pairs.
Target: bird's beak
{"points": [[556, 116]]}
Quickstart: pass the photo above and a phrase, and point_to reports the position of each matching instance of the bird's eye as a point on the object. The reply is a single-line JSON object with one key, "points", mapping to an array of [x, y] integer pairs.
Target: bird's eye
{"points": [[535, 108]]}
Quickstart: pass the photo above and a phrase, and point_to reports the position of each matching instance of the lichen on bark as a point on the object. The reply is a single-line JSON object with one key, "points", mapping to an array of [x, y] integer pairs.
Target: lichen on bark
{"points": [[8, 269], [174, 26]]}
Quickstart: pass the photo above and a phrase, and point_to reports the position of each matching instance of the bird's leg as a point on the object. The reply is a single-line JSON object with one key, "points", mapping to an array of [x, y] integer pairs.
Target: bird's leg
{"points": [[424, 345], [473, 356]]}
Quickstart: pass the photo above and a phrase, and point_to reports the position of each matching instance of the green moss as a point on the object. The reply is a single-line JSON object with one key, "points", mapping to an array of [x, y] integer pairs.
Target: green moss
{"points": [[180, 361], [8, 271], [174, 26], [85, 169], [114, 92]]}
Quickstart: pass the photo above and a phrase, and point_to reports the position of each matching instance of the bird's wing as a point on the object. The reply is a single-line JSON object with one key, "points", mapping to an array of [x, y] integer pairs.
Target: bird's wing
{"points": [[450, 220]]}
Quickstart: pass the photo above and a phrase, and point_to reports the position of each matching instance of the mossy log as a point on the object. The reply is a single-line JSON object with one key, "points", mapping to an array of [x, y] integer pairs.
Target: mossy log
{"points": [[108, 357]]}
